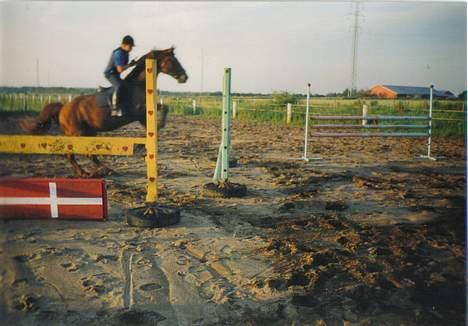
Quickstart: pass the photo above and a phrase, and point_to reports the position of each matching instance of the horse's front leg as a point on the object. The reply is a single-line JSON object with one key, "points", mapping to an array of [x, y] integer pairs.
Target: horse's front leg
{"points": [[164, 109], [78, 170]]}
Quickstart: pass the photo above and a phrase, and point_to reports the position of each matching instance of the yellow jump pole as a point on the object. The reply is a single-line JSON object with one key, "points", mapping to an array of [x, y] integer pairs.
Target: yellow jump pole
{"points": [[154, 214], [151, 132]]}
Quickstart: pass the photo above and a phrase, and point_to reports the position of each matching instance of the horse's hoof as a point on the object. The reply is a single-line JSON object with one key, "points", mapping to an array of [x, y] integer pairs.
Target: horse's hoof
{"points": [[104, 171], [107, 171], [83, 174]]}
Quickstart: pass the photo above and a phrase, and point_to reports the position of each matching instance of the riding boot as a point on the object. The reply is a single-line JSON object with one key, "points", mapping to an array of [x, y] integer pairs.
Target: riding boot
{"points": [[116, 110]]}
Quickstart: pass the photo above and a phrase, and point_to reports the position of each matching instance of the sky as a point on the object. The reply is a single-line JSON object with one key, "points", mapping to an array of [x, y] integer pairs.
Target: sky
{"points": [[270, 46]]}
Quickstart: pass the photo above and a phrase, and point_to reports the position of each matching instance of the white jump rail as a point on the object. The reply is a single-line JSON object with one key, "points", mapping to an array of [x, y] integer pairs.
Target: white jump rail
{"points": [[360, 119]]}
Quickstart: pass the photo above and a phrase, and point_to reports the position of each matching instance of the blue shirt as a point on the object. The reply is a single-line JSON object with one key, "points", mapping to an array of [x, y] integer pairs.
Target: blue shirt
{"points": [[118, 58]]}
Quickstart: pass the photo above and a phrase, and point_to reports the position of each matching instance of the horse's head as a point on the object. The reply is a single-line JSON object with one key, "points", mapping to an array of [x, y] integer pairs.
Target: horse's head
{"points": [[168, 64]]}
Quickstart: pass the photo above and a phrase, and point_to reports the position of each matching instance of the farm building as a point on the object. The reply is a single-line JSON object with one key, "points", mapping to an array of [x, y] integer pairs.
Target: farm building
{"points": [[392, 91]]}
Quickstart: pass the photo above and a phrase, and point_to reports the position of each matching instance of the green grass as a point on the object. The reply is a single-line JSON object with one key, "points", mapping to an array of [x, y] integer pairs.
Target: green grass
{"points": [[29, 102]]}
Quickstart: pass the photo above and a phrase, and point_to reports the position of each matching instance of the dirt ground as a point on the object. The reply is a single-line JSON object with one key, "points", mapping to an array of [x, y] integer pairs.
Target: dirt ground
{"points": [[369, 235]]}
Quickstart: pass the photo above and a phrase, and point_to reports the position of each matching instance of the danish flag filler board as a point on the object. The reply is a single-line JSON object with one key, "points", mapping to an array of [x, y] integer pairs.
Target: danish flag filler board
{"points": [[43, 198]]}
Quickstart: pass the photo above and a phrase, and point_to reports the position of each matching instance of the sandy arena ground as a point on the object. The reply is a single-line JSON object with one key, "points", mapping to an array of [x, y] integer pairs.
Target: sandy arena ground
{"points": [[370, 235]]}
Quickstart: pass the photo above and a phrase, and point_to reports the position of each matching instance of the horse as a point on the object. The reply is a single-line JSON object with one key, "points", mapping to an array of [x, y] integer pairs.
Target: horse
{"points": [[86, 116]]}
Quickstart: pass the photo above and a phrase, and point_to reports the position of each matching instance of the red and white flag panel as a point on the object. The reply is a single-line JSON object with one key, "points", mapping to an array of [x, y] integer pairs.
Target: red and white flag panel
{"points": [[39, 198]]}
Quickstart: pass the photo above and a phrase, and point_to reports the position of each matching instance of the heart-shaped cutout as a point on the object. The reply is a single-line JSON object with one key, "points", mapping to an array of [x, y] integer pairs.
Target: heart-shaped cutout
{"points": [[151, 134], [125, 148], [152, 179], [150, 91], [150, 112]]}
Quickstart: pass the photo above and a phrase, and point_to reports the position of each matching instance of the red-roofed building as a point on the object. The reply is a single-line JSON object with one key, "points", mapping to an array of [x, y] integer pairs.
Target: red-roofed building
{"points": [[391, 91]]}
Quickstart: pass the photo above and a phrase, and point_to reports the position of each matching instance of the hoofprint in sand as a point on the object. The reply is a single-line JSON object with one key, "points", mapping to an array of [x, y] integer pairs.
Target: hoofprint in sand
{"points": [[370, 235]]}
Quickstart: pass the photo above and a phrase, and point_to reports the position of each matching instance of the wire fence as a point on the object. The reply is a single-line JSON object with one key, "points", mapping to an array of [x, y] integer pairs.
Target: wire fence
{"points": [[449, 116]]}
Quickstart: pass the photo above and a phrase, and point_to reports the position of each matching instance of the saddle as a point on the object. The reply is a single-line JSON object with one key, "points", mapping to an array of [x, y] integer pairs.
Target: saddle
{"points": [[104, 96]]}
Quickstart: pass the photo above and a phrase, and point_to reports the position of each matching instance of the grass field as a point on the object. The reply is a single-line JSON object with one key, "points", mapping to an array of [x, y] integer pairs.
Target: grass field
{"points": [[449, 117]]}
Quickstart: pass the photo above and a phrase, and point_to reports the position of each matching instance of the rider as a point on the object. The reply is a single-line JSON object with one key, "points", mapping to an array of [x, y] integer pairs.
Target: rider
{"points": [[118, 62]]}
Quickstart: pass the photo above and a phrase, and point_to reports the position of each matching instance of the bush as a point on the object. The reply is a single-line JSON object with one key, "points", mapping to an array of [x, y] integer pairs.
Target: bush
{"points": [[283, 98]]}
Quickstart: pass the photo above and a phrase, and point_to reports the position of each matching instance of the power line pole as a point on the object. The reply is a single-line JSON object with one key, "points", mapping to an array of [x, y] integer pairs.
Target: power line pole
{"points": [[37, 73], [353, 88], [202, 70]]}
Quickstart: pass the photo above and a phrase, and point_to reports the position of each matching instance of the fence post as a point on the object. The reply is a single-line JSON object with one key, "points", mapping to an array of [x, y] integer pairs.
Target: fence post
{"points": [[429, 127], [194, 106], [288, 113], [429, 138], [69, 98], [161, 101], [306, 131], [234, 109], [365, 110]]}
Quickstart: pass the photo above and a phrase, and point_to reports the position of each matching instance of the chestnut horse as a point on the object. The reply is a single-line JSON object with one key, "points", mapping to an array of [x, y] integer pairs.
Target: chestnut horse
{"points": [[84, 116]]}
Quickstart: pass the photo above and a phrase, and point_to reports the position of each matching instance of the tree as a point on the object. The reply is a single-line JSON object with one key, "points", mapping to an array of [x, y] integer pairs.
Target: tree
{"points": [[462, 95], [283, 97]]}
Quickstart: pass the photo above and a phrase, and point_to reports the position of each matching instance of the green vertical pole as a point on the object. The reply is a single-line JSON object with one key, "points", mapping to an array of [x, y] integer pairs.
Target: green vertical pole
{"points": [[222, 165], [429, 131]]}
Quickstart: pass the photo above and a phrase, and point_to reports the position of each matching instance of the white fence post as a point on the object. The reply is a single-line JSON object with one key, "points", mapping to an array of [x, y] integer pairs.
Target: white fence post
{"points": [[365, 111], [306, 127], [288, 113], [194, 106], [234, 109], [429, 131]]}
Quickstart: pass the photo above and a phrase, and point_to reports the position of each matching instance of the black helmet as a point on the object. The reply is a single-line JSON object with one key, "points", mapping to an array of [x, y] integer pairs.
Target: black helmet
{"points": [[128, 40]]}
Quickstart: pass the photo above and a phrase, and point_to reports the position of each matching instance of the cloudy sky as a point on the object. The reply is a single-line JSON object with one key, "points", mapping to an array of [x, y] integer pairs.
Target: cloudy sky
{"points": [[268, 45]]}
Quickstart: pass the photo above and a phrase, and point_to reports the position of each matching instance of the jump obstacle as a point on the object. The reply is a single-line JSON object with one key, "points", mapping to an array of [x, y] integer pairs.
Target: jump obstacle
{"points": [[153, 215], [364, 118], [54, 198], [221, 186]]}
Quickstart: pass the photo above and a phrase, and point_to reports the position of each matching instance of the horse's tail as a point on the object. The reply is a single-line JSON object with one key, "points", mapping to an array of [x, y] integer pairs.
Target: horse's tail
{"points": [[42, 123]]}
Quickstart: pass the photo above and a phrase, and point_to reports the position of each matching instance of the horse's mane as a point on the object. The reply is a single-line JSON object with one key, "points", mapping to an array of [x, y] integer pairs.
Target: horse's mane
{"points": [[140, 63]]}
